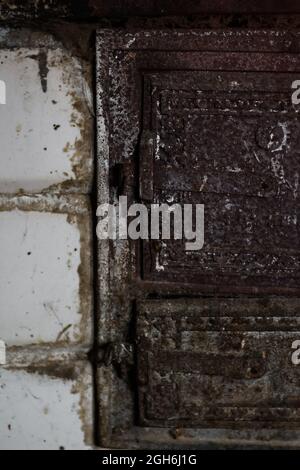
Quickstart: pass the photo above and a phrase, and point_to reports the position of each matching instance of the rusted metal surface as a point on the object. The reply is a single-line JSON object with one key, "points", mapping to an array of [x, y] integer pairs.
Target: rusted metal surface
{"points": [[239, 132], [201, 117], [260, 103], [93, 9], [219, 363]]}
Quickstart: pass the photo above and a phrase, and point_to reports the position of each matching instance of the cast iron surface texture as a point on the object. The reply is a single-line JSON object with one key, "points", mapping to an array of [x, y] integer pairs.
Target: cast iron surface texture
{"points": [[228, 140], [94, 9], [200, 116], [218, 362]]}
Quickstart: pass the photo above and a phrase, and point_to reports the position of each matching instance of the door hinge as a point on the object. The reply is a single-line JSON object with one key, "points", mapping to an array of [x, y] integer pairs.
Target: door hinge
{"points": [[120, 356], [115, 353]]}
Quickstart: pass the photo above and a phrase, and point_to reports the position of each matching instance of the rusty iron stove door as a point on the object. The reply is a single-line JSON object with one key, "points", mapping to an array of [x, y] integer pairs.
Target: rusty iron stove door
{"points": [[197, 345]]}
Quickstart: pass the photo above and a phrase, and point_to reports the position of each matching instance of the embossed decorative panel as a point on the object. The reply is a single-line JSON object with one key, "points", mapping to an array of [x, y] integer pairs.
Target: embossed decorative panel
{"points": [[220, 363], [197, 345], [230, 141]]}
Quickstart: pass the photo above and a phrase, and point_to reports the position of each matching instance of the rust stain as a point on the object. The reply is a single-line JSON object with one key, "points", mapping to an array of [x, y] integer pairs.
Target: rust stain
{"points": [[85, 273], [53, 370]]}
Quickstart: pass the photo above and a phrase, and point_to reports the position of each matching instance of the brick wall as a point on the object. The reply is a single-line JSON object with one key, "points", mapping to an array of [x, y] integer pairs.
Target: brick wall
{"points": [[46, 155]]}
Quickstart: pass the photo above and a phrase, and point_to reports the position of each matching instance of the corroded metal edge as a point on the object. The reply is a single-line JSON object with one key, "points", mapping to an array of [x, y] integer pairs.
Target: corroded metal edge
{"points": [[94, 9]]}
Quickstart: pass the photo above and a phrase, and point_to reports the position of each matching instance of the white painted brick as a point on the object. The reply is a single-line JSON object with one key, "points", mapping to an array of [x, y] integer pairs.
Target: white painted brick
{"points": [[45, 261], [42, 410], [45, 125]]}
